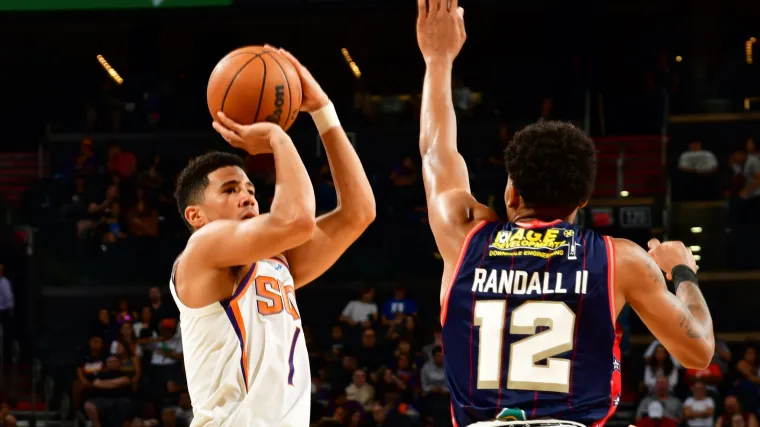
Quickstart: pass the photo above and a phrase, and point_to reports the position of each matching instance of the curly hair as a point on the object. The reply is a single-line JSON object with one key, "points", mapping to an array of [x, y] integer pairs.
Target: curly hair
{"points": [[552, 164], [193, 180]]}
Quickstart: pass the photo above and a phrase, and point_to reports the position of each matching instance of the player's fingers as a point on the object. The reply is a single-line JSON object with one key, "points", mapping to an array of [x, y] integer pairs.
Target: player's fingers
{"points": [[290, 57], [229, 123], [653, 244], [460, 22], [422, 9], [438, 6], [269, 46], [228, 135], [454, 6]]}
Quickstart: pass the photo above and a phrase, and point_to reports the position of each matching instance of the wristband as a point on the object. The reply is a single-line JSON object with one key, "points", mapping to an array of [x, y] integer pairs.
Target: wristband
{"points": [[683, 273], [325, 118]]}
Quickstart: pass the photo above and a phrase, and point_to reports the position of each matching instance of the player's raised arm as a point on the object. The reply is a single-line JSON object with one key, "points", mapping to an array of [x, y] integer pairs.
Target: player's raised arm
{"points": [[452, 210], [289, 223], [680, 321], [336, 230]]}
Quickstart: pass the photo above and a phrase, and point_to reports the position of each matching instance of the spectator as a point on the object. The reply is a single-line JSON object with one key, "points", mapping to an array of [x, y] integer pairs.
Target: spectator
{"points": [[7, 304], [160, 310], [86, 164], [183, 412], [359, 390], [6, 418], [143, 328], [435, 391], [735, 416], [113, 230], [660, 405], [105, 327], [660, 365], [142, 220], [361, 312], [87, 370], [369, 356], [699, 408], [388, 416], [751, 148], [399, 306], [165, 363], [122, 163], [123, 312], [336, 343], [111, 395], [389, 386], [697, 167], [748, 381], [437, 342], [130, 363]]}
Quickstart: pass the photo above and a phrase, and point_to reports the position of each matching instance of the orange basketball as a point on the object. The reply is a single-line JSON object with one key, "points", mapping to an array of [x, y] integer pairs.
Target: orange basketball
{"points": [[255, 84]]}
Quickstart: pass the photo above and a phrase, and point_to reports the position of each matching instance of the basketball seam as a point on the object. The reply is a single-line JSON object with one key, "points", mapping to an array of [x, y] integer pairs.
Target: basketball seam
{"points": [[287, 82], [227, 58], [263, 86], [226, 92]]}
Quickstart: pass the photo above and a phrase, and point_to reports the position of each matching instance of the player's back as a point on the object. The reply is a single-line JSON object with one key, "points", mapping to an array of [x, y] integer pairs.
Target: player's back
{"points": [[528, 325], [245, 357]]}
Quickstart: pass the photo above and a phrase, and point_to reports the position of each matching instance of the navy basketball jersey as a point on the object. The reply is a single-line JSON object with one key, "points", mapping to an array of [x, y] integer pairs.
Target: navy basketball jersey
{"points": [[529, 325]]}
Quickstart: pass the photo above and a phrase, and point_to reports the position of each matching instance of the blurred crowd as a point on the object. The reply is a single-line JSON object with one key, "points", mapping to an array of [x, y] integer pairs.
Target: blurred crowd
{"points": [[725, 394], [372, 366]]}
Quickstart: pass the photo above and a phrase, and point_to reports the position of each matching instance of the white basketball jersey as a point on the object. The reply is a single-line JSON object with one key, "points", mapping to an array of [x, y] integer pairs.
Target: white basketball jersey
{"points": [[245, 357]]}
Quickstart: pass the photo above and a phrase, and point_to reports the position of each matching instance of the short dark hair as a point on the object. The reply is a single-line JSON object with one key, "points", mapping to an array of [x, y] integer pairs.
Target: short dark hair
{"points": [[193, 179], [552, 165]]}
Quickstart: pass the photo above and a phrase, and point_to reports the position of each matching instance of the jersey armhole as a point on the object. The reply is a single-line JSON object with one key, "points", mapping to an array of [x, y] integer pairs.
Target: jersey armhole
{"points": [[185, 310], [611, 285], [460, 259]]}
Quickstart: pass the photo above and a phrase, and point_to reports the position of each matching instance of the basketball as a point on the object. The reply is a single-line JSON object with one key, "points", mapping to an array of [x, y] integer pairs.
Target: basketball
{"points": [[255, 84]]}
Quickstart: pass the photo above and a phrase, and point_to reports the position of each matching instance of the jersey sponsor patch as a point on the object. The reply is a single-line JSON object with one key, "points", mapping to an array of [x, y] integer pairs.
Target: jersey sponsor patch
{"points": [[546, 243]]}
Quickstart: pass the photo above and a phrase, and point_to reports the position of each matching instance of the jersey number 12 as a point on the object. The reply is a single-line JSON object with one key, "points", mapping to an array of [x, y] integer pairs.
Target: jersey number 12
{"points": [[523, 373]]}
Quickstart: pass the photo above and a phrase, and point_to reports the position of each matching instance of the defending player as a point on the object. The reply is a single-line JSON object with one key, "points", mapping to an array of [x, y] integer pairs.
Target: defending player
{"points": [[234, 284], [529, 306]]}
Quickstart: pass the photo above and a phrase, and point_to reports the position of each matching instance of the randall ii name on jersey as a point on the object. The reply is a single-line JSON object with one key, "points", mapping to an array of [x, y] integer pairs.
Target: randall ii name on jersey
{"points": [[542, 243]]}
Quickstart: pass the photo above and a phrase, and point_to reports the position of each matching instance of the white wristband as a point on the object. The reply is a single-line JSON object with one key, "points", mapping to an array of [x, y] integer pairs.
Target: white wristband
{"points": [[325, 118]]}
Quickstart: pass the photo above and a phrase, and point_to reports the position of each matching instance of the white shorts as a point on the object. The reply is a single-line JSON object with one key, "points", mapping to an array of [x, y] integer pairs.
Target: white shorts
{"points": [[531, 423]]}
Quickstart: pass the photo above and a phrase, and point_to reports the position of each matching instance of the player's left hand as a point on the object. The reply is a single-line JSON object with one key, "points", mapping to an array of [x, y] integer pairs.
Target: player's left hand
{"points": [[314, 97]]}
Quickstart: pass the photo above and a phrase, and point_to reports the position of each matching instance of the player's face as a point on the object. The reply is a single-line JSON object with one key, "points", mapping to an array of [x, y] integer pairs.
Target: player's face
{"points": [[229, 195]]}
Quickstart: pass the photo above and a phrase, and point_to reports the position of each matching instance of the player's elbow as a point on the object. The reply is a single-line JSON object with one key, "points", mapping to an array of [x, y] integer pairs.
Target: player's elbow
{"points": [[366, 215], [301, 227], [698, 357]]}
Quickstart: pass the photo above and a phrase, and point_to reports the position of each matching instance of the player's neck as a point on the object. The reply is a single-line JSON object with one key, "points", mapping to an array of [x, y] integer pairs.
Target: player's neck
{"points": [[542, 215]]}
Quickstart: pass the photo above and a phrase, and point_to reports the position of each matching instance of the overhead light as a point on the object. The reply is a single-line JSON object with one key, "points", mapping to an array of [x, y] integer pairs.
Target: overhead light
{"points": [[110, 70], [624, 193], [697, 257], [351, 64], [679, 58], [696, 230], [695, 248]]}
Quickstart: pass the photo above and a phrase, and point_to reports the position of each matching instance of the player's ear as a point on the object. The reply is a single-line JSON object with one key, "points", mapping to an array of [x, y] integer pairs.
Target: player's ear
{"points": [[511, 196], [194, 216]]}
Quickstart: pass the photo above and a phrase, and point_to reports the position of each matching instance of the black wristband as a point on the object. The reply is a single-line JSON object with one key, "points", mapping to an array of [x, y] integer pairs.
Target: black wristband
{"points": [[683, 273]]}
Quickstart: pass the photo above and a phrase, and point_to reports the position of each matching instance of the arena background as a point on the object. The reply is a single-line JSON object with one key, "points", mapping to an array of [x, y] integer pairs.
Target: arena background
{"points": [[644, 78]]}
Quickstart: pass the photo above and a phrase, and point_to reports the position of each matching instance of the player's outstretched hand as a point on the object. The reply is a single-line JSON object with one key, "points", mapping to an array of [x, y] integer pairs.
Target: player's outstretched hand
{"points": [[314, 97], [440, 29], [670, 254], [255, 139]]}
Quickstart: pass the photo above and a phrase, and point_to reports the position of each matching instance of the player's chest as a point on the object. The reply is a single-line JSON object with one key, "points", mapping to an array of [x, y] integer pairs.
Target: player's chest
{"points": [[271, 295]]}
